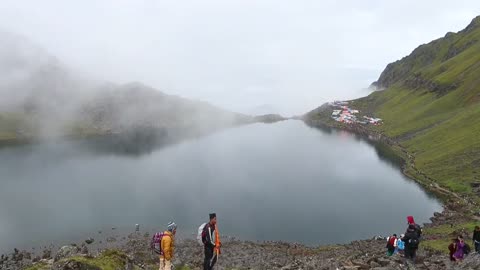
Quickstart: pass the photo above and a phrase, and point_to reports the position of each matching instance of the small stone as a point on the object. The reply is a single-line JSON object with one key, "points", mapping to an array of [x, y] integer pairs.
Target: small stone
{"points": [[47, 254], [65, 252]]}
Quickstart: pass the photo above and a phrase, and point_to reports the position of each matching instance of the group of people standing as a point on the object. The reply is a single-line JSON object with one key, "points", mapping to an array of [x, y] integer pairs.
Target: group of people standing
{"points": [[163, 243], [407, 244], [458, 248]]}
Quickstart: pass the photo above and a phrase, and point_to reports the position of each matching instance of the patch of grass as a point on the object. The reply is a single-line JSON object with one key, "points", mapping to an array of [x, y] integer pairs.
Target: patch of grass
{"points": [[450, 230], [38, 266], [108, 260], [440, 245]]}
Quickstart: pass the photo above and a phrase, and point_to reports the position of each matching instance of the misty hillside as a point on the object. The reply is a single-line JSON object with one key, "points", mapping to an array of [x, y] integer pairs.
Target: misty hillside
{"points": [[431, 106], [42, 98]]}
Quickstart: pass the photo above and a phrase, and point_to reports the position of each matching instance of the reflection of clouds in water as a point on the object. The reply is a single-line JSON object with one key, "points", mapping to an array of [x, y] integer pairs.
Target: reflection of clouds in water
{"points": [[264, 181]]}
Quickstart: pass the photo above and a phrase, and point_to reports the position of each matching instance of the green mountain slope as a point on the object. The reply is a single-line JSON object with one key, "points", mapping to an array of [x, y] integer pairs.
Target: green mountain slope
{"points": [[430, 103]]}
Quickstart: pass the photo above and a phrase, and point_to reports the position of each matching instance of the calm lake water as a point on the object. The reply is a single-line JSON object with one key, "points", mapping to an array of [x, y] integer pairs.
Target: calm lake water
{"points": [[284, 181]]}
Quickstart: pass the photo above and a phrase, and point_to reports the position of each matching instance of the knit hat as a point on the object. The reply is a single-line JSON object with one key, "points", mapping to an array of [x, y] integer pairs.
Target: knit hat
{"points": [[410, 220], [171, 226], [212, 216]]}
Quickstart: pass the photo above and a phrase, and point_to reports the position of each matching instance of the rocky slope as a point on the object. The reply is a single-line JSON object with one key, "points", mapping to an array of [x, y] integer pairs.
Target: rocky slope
{"points": [[132, 252]]}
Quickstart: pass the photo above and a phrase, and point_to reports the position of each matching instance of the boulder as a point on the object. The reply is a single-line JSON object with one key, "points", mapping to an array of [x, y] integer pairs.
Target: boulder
{"points": [[84, 249], [47, 254], [383, 262], [111, 239], [89, 240], [65, 252]]}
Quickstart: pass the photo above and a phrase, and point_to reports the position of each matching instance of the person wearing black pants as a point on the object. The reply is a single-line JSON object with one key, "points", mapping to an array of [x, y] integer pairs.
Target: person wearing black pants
{"points": [[208, 238], [411, 239], [210, 258], [476, 239]]}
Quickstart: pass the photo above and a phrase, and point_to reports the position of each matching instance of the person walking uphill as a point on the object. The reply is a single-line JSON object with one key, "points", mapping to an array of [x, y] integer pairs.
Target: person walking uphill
{"points": [[211, 242], [476, 239], [460, 249], [167, 246], [412, 241], [391, 244], [411, 221]]}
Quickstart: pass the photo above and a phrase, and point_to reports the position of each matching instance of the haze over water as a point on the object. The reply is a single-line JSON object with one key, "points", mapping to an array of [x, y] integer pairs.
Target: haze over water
{"points": [[283, 181]]}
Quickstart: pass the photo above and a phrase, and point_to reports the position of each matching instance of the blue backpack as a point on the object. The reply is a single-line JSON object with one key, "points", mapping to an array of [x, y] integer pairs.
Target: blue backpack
{"points": [[400, 244]]}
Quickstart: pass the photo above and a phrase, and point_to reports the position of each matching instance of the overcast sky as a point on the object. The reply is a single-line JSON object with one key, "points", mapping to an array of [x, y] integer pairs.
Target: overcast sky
{"points": [[251, 56]]}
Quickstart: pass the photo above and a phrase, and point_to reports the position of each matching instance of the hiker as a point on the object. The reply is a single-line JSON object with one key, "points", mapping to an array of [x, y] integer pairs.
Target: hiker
{"points": [[412, 240], [411, 221], [476, 239], [167, 240], [460, 249], [400, 245], [391, 244], [211, 242], [452, 248]]}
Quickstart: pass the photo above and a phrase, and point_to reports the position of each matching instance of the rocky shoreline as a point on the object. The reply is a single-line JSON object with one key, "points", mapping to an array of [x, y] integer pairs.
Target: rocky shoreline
{"points": [[133, 252]]}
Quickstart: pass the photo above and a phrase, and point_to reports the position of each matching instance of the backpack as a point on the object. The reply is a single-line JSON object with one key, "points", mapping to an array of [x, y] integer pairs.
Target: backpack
{"points": [[391, 241], [156, 243], [401, 245], [201, 235], [466, 249], [413, 242]]}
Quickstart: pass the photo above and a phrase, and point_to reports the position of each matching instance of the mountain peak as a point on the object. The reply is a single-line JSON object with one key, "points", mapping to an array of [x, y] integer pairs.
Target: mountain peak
{"points": [[474, 24]]}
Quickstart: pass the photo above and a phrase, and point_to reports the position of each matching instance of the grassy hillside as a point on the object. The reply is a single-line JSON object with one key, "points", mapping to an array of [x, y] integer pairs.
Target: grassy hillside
{"points": [[431, 105]]}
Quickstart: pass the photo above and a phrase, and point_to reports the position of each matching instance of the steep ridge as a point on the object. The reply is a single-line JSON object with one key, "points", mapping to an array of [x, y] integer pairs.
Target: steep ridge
{"points": [[429, 101]]}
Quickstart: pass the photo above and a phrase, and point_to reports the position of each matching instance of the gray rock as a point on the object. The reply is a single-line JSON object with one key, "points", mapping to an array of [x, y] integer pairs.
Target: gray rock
{"points": [[47, 254], [84, 249], [383, 262], [89, 241], [65, 252], [111, 239]]}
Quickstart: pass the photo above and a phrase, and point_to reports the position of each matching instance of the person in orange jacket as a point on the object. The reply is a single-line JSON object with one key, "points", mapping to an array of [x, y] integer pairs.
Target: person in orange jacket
{"points": [[168, 246]]}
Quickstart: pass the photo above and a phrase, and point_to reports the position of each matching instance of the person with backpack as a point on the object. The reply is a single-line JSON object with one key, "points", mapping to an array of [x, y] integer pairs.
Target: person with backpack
{"points": [[476, 239], [400, 245], [411, 221], [452, 248], [211, 242], [163, 245], [412, 241], [460, 249], [391, 244]]}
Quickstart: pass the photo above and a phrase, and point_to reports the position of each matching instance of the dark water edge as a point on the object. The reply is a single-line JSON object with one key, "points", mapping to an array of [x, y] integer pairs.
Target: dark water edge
{"points": [[383, 146]]}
